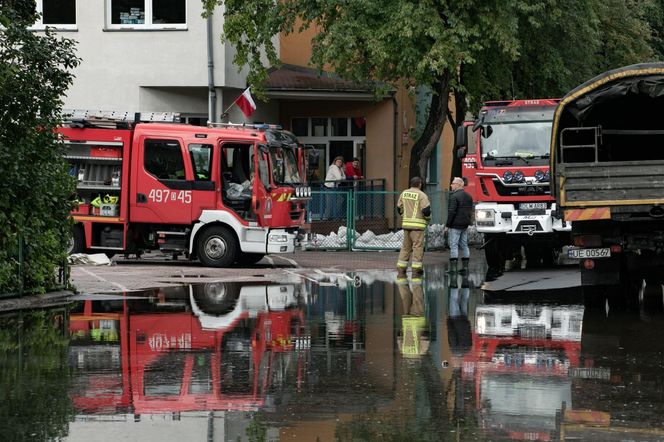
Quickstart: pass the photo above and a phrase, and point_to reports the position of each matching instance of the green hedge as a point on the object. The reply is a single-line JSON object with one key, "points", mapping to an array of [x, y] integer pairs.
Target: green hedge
{"points": [[35, 186]]}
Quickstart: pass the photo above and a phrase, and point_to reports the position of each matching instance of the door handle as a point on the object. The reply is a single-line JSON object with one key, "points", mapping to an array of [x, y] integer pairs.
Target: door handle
{"points": [[141, 198]]}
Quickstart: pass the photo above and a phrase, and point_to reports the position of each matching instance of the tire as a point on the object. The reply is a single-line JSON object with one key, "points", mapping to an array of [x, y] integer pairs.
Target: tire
{"points": [[249, 258], [217, 247], [217, 298], [77, 241]]}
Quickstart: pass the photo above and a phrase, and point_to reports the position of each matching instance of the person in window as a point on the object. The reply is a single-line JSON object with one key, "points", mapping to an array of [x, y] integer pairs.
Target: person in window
{"points": [[335, 176]]}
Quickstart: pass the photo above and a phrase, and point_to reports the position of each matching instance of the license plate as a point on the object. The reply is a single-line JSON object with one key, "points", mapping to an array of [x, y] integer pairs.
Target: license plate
{"points": [[589, 253], [531, 206]]}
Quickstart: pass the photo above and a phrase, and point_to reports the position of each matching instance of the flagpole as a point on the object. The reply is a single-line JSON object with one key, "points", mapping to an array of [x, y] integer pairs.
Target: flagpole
{"points": [[225, 113]]}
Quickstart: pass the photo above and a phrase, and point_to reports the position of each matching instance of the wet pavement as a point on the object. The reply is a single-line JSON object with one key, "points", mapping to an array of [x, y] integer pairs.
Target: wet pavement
{"points": [[306, 354]]}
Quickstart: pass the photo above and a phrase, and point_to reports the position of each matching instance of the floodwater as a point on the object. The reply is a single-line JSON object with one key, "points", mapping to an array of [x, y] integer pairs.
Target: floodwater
{"points": [[348, 360]]}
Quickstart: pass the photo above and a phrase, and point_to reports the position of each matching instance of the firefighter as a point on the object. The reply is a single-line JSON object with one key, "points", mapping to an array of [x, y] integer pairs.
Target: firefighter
{"points": [[413, 205]]}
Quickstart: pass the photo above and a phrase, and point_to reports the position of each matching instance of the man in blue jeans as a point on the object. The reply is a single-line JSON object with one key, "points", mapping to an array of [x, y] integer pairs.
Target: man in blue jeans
{"points": [[459, 217]]}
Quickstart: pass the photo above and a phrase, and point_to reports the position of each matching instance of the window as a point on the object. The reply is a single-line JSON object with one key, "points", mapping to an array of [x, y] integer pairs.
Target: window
{"points": [[163, 159], [358, 127], [146, 14], [201, 160], [319, 127], [60, 14], [300, 127], [339, 127]]}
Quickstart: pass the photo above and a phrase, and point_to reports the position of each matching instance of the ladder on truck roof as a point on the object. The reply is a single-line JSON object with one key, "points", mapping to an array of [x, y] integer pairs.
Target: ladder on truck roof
{"points": [[115, 119]]}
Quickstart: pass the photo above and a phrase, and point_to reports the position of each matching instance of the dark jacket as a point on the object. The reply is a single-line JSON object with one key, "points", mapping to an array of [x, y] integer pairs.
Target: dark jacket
{"points": [[459, 210]]}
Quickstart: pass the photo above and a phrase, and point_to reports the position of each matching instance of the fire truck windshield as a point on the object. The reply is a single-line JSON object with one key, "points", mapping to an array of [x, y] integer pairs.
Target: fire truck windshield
{"points": [[284, 166], [504, 143]]}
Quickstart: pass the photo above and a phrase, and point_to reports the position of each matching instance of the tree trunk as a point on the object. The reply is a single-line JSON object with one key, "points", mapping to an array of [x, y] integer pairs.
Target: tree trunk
{"points": [[419, 155], [461, 107]]}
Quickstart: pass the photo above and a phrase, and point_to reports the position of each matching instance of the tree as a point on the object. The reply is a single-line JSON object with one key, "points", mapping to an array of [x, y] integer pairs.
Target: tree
{"points": [[470, 50], [36, 187]]}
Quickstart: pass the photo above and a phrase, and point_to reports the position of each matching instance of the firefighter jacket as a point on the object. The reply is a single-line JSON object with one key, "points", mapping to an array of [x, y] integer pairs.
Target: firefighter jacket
{"points": [[414, 206]]}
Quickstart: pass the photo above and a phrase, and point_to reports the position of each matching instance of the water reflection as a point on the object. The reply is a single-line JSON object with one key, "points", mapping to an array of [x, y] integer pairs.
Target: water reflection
{"points": [[343, 361]]}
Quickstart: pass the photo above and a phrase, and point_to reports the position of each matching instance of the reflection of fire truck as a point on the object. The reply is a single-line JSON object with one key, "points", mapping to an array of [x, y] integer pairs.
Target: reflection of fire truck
{"points": [[519, 362], [220, 194], [505, 159], [153, 355]]}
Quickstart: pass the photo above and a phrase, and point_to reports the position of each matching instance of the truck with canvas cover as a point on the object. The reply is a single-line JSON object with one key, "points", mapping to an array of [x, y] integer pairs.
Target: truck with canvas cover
{"points": [[223, 194], [607, 161], [505, 164]]}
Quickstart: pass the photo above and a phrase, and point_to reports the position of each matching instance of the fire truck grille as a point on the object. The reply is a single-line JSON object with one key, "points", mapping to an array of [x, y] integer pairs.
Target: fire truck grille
{"points": [[524, 190], [532, 332]]}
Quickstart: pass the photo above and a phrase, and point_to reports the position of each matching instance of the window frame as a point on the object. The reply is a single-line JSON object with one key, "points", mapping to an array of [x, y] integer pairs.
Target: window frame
{"points": [[40, 26], [148, 25]]}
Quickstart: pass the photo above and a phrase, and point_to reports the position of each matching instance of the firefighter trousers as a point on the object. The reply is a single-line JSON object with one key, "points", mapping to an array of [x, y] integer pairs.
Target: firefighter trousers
{"points": [[413, 245]]}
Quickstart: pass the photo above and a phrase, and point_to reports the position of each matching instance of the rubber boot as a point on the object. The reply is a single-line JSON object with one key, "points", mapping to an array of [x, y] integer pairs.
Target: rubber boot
{"points": [[464, 266], [453, 265]]}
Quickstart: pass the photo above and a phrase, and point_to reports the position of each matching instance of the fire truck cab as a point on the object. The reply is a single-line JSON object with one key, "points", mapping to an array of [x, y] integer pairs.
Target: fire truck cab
{"points": [[505, 164], [223, 194]]}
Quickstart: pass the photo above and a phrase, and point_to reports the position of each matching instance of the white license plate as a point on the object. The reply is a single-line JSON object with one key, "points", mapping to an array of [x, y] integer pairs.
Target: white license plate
{"points": [[530, 206], [589, 253]]}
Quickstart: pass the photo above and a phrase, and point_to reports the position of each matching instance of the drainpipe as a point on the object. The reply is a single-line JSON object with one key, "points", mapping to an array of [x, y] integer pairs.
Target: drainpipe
{"points": [[396, 140], [394, 152], [212, 93]]}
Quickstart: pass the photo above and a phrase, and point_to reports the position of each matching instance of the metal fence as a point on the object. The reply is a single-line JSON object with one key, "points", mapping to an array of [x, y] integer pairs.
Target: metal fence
{"points": [[357, 218], [20, 258]]}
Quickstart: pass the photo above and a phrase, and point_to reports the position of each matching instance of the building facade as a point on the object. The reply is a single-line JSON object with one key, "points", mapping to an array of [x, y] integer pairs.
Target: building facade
{"points": [[163, 56]]}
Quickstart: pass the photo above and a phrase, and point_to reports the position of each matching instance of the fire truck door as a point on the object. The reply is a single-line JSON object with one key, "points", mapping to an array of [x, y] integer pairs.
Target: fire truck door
{"points": [[261, 186], [205, 194], [162, 182]]}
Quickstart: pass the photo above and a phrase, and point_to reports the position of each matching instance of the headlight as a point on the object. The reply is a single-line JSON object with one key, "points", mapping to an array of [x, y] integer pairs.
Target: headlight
{"points": [[508, 176], [278, 237], [298, 192], [308, 191], [539, 175], [484, 217], [518, 177]]}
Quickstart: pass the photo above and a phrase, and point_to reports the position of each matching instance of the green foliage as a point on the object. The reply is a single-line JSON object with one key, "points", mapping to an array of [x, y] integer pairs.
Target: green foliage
{"points": [[562, 43], [36, 187], [35, 380]]}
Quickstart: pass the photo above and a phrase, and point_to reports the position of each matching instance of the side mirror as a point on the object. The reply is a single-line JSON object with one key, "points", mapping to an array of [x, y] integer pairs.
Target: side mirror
{"points": [[461, 152], [461, 137]]}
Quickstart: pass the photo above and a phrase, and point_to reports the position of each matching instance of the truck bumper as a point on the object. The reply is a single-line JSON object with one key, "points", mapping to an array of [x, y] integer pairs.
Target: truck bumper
{"points": [[281, 241], [506, 218]]}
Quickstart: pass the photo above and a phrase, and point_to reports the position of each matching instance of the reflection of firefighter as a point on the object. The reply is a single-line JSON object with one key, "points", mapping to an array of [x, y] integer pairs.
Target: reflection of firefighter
{"points": [[458, 325], [414, 339]]}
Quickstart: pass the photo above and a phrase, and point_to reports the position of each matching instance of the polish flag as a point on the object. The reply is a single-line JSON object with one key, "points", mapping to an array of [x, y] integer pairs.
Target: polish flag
{"points": [[246, 103]]}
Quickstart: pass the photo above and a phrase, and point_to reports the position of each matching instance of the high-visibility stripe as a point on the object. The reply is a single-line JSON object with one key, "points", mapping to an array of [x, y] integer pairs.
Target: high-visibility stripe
{"points": [[284, 197], [402, 263], [413, 223], [588, 214], [417, 265]]}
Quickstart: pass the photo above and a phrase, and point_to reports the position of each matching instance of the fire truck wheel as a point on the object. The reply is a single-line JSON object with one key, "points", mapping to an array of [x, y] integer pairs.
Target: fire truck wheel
{"points": [[217, 247], [77, 240], [217, 298], [249, 258]]}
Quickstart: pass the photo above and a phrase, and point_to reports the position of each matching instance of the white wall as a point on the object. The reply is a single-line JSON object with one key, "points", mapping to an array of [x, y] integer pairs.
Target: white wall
{"points": [[147, 70]]}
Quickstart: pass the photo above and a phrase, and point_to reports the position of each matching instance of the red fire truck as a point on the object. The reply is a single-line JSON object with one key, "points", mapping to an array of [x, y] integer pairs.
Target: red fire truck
{"points": [[152, 355], [223, 194], [505, 162]]}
